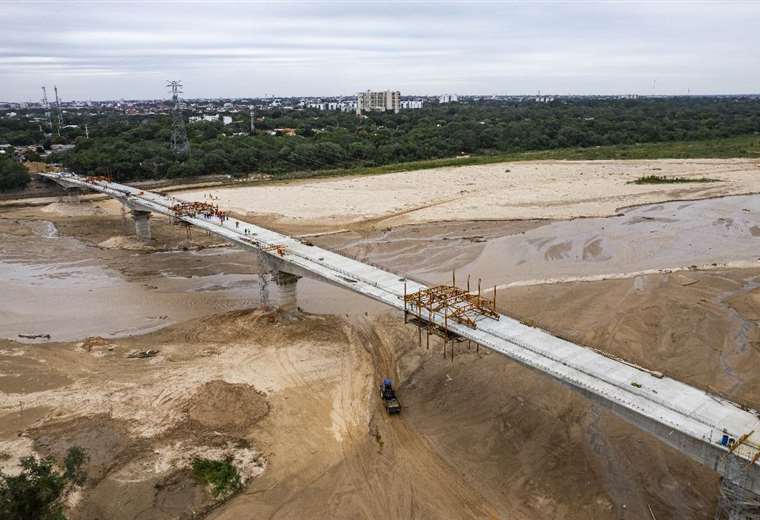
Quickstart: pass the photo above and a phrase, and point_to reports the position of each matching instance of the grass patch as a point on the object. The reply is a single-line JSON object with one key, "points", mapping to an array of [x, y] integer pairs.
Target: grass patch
{"points": [[662, 179], [221, 475]]}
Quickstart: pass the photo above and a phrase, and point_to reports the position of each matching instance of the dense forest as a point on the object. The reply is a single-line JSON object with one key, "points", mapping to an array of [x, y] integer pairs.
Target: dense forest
{"points": [[137, 147]]}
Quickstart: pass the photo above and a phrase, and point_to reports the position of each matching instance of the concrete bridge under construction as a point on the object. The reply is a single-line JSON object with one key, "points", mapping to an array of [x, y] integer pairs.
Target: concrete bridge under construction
{"points": [[708, 428]]}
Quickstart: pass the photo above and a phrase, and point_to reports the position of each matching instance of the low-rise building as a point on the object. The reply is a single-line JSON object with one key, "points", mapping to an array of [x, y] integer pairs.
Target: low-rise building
{"points": [[210, 118], [411, 104], [342, 106]]}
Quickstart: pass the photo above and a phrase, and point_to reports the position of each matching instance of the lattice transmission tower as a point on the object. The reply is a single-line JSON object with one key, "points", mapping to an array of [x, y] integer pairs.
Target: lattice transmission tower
{"points": [[46, 105], [59, 113], [180, 144]]}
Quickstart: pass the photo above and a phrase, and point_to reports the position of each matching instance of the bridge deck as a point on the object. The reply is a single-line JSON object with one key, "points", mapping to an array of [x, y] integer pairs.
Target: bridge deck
{"points": [[669, 403]]}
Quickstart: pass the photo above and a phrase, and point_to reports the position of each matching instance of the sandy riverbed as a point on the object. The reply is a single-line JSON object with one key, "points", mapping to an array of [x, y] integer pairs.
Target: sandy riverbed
{"points": [[520, 190]]}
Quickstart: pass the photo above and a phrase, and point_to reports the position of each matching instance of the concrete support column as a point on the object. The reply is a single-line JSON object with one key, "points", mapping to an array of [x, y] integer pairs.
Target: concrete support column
{"points": [[285, 279], [124, 220], [142, 224], [279, 290], [73, 194]]}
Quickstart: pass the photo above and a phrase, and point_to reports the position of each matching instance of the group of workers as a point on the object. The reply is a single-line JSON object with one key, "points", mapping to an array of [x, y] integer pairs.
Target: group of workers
{"points": [[206, 210], [199, 208]]}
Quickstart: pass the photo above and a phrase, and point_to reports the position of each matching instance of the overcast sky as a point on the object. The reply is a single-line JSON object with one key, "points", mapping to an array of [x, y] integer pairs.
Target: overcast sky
{"points": [[110, 50]]}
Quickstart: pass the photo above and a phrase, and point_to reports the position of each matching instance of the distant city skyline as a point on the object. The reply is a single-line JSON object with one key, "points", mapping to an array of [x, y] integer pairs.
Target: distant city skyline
{"points": [[115, 50]]}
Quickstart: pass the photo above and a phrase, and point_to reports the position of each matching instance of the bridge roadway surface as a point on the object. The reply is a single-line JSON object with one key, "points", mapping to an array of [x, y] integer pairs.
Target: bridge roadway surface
{"points": [[689, 419]]}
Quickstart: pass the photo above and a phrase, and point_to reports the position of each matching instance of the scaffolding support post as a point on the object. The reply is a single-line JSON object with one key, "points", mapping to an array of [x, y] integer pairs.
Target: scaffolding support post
{"points": [[405, 302]]}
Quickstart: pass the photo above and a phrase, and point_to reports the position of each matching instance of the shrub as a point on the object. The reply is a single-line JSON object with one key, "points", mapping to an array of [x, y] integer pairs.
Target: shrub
{"points": [[661, 179], [38, 492], [221, 475]]}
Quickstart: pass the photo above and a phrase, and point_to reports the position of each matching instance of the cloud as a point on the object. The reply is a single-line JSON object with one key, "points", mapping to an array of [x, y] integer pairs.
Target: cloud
{"points": [[106, 50]]}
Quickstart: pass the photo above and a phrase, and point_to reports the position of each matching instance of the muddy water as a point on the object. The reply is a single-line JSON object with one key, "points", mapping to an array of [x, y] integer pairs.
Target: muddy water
{"points": [[63, 287], [663, 236], [707, 233], [60, 286]]}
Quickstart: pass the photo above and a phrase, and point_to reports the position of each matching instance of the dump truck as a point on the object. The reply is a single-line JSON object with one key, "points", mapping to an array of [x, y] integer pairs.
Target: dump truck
{"points": [[388, 395]]}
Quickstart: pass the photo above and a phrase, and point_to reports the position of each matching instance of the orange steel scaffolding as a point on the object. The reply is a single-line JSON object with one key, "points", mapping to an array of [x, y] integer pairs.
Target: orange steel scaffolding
{"points": [[448, 302], [451, 302]]}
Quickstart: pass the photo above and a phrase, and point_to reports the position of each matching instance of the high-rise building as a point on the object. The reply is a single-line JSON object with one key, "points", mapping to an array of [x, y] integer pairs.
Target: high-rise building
{"points": [[384, 101]]}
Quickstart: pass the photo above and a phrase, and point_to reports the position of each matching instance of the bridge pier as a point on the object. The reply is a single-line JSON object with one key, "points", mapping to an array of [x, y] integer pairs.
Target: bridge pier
{"points": [[72, 194], [279, 290], [142, 224]]}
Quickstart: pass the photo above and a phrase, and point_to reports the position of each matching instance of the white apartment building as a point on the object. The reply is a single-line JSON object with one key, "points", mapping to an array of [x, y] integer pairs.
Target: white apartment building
{"points": [[383, 101], [226, 120], [415, 104], [448, 98], [343, 106], [210, 118]]}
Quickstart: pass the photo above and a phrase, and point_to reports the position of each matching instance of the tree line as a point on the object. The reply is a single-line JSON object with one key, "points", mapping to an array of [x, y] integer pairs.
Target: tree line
{"points": [[130, 147]]}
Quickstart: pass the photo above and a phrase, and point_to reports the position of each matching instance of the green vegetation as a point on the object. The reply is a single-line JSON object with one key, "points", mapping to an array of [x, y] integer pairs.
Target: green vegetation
{"points": [[133, 147], [221, 475], [39, 491], [13, 176], [733, 147], [19, 132], [662, 179]]}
